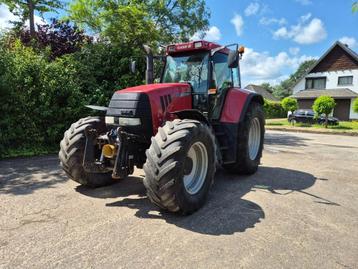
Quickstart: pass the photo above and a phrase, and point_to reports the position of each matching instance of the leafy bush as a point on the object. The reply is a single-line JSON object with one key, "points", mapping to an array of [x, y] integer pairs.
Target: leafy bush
{"points": [[289, 104], [103, 68], [60, 37], [41, 98], [324, 105], [355, 105], [273, 110], [38, 98]]}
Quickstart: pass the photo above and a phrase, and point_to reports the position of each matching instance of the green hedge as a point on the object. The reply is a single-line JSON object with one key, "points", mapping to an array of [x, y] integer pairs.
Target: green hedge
{"points": [[273, 110], [40, 98]]}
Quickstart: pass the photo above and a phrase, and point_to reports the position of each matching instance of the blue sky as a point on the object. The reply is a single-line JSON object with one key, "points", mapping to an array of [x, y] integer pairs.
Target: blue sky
{"points": [[281, 34], [278, 35]]}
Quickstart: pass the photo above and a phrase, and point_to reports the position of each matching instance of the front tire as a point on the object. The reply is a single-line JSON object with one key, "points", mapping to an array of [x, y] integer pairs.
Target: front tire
{"points": [[72, 150], [251, 139], [180, 166]]}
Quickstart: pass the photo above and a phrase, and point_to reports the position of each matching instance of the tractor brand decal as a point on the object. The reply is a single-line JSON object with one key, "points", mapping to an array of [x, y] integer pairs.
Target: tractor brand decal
{"points": [[165, 100], [127, 112], [186, 46]]}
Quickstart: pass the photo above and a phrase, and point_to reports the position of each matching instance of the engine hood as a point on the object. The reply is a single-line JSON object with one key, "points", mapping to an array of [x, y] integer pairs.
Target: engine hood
{"points": [[149, 88]]}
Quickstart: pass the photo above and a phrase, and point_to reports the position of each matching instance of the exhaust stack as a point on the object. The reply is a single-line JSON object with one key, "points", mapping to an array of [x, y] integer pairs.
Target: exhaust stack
{"points": [[149, 71]]}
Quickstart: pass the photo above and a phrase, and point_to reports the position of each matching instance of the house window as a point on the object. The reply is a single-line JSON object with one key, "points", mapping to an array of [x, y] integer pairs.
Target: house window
{"points": [[346, 80], [316, 83]]}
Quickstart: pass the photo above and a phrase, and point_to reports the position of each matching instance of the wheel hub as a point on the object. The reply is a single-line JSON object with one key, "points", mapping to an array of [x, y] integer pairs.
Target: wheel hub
{"points": [[254, 138], [195, 168], [188, 165]]}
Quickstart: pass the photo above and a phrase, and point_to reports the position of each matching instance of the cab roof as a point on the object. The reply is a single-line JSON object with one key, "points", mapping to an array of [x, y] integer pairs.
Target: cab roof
{"points": [[199, 45]]}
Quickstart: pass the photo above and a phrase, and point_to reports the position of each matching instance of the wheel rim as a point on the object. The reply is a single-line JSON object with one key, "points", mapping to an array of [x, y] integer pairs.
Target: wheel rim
{"points": [[194, 177], [254, 138]]}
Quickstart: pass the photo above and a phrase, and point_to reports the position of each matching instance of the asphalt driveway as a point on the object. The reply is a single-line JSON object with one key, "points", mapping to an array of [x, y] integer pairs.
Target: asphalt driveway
{"points": [[298, 211]]}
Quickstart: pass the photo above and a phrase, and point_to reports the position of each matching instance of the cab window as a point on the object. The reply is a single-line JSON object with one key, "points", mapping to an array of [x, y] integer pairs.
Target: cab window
{"points": [[236, 77], [192, 68], [222, 73]]}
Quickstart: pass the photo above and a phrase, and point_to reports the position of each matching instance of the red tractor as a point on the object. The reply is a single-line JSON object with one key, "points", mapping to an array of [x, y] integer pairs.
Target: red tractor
{"points": [[177, 130]]}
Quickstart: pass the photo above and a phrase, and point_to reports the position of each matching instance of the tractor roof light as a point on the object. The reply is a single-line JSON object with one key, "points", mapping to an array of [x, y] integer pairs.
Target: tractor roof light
{"points": [[171, 48], [198, 45], [241, 49]]}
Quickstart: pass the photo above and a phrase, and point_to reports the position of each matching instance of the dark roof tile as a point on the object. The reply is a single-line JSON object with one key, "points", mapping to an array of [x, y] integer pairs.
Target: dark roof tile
{"points": [[262, 91], [335, 93]]}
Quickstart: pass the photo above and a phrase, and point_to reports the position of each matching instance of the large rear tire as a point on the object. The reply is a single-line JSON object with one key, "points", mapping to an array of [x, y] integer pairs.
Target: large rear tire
{"points": [[180, 166], [72, 150], [251, 139]]}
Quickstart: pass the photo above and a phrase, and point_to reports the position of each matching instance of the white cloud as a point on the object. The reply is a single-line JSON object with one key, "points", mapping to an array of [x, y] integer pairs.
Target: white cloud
{"points": [[257, 67], [312, 33], [304, 2], [6, 16], [269, 21], [238, 22], [305, 32], [350, 41], [305, 18], [294, 50], [252, 9], [281, 33], [213, 34]]}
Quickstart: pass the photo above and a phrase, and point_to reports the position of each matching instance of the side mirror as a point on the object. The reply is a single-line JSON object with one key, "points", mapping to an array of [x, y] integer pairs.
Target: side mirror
{"points": [[132, 66], [233, 59]]}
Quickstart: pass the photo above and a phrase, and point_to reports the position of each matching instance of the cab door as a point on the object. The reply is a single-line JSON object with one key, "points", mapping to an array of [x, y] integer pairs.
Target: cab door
{"points": [[222, 80]]}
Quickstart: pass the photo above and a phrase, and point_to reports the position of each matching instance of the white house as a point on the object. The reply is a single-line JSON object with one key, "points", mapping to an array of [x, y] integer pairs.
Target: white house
{"points": [[335, 74]]}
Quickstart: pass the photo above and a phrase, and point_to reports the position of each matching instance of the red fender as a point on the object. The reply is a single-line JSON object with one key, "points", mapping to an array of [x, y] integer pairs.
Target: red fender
{"points": [[236, 103]]}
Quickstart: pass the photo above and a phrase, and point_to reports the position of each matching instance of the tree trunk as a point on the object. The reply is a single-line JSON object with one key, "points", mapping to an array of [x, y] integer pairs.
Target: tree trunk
{"points": [[30, 4], [326, 122]]}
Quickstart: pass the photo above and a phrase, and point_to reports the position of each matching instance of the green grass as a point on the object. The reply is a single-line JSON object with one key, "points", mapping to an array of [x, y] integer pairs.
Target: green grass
{"points": [[28, 151], [343, 125]]}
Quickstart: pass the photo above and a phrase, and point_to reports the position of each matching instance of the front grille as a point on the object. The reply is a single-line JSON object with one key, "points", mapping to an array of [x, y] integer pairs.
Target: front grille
{"points": [[133, 105], [165, 100]]}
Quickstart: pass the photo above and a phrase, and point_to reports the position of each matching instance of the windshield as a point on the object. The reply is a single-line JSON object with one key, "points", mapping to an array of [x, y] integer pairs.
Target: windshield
{"points": [[188, 68]]}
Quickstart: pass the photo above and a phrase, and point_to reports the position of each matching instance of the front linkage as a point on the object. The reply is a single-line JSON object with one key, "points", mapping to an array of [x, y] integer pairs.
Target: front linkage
{"points": [[113, 148]]}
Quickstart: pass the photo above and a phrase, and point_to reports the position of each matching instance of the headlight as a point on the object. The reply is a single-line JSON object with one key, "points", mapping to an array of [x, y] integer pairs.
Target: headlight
{"points": [[109, 120], [129, 121], [123, 121]]}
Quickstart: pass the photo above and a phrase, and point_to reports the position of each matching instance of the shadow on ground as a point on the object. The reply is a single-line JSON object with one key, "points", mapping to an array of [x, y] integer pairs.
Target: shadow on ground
{"points": [[225, 212], [286, 139], [22, 176], [132, 185]]}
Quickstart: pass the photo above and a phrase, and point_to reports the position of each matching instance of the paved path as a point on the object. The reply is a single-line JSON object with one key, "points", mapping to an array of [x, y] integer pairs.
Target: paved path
{"points": [[299, 211]]}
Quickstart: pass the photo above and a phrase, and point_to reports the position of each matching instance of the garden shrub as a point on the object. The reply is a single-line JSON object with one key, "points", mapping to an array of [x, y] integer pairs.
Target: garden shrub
{"points": [[289, 104], [41, 97], [273, 110]]}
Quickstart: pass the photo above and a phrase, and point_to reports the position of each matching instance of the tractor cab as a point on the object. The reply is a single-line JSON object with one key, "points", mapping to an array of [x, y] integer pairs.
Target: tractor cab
{"points": [[208, 67]]}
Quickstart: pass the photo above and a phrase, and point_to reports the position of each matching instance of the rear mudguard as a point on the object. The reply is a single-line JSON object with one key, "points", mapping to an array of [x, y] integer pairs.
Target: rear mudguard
{"points": [[236, 104]]}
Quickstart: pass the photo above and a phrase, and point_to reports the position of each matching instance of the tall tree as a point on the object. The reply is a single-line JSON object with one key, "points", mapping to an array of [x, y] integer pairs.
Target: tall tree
{"points": [[25, 9], [285, 87], [136, 21], [267, 86], [355, 7]]}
